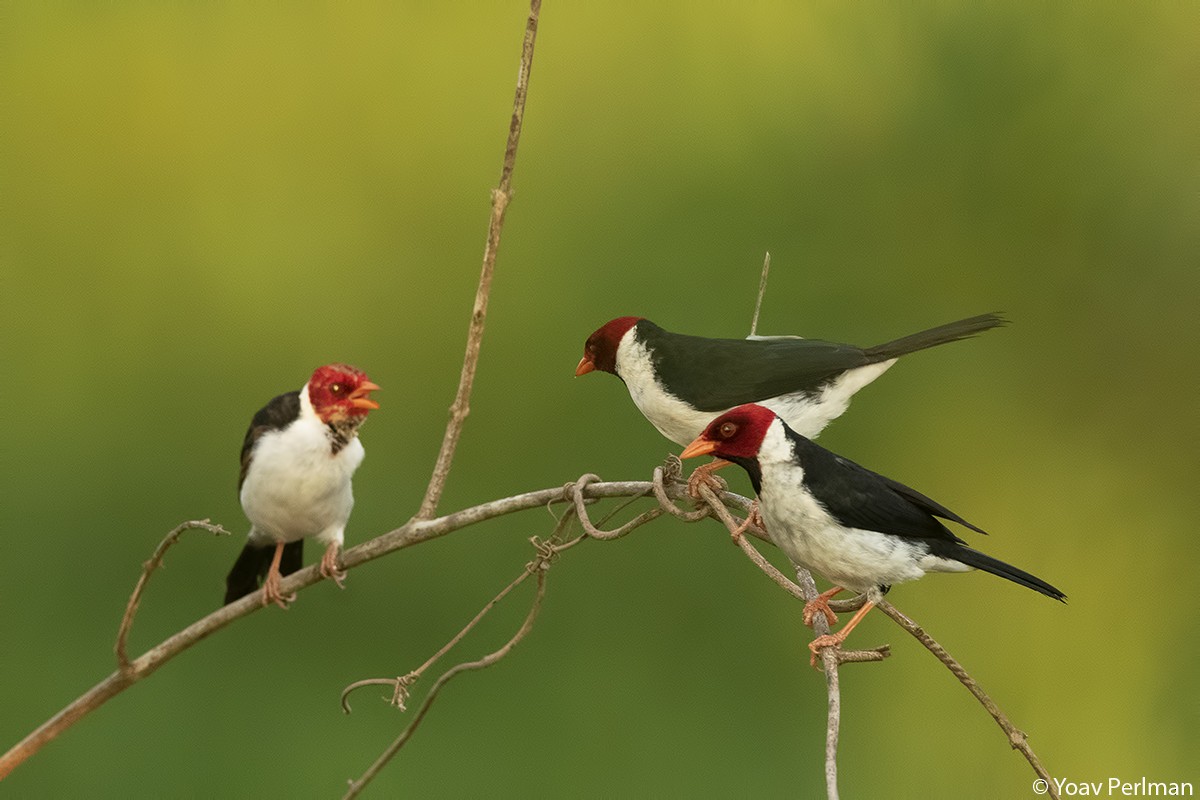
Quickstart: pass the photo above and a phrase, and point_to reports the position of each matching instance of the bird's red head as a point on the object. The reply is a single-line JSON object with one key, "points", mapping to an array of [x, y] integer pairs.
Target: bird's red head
{"points": [[738, 433], [600, 350], [339, 391]]}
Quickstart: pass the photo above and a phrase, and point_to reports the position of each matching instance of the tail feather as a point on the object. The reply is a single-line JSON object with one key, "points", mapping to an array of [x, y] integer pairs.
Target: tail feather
{"points": [[974, 558], [252, 565], [942, 334]]}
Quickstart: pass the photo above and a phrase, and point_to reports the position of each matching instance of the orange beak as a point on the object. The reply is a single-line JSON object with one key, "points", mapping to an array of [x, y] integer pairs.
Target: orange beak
{"points": [[586, 365], [359, 399], [700, 447]]}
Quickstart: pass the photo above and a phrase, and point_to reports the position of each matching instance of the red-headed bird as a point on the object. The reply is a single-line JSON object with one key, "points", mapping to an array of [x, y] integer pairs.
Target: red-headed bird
{"points": [[298, 457], [829, 515], [681, 383]]}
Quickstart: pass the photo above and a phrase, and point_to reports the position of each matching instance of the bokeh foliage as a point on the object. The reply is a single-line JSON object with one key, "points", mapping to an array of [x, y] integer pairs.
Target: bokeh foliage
{"points": [[202, 202]]}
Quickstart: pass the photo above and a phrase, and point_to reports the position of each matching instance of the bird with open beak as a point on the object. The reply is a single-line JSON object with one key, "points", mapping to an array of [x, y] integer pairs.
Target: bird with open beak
{"points": [[298, 457]]}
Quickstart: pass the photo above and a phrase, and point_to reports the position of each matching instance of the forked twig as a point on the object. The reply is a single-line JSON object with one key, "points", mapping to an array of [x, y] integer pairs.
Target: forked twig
{"points": [[500, 198]]}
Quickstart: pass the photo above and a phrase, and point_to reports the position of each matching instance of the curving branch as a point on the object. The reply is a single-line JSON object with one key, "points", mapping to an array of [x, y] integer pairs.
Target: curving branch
{"points": [[546, 553], [500, 198], [148, 569], [1016, 737], [412, 533]]}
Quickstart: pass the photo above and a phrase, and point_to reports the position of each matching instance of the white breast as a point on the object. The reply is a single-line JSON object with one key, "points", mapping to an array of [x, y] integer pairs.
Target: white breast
{"points": [[297, 487], [674, 419]]}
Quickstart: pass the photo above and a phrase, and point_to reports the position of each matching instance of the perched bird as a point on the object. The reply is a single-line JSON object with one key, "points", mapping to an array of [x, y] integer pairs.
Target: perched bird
{"points": [[681, 383], [297, 460], [859, 529]]}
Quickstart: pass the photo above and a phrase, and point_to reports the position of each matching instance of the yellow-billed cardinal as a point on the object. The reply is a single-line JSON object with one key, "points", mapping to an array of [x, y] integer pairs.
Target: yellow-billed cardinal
{"points": [[859, 529], [681, 383], [300, 452]]}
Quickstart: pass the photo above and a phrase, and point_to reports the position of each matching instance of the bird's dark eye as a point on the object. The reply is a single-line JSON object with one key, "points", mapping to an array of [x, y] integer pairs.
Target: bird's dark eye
{"points": [[336, 388], [727, 430]]}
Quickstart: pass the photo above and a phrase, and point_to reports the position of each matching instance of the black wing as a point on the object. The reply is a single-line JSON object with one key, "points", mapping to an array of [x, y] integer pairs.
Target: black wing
{"points": [[859, 498], [274, 416], [716, 374]]}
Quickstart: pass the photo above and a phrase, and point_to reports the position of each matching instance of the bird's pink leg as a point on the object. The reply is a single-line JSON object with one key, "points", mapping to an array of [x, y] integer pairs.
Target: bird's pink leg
{"points": [[820, 603], [702, 475], [329, 565], [270, 589], [836, 639]]}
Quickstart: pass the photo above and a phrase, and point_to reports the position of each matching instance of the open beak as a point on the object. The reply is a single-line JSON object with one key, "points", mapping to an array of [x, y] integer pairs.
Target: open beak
{"points": [[586, 365], [359, 399], [700, 447]]}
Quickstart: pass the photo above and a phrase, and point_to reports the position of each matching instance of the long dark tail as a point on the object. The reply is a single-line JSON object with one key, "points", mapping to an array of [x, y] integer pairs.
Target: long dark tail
{"points": [[974, 558], [942, 334], [252, 565]]}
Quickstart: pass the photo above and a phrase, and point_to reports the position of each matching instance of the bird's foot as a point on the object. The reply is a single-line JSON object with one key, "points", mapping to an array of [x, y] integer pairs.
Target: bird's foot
{"points": [[329, 566], [821, 642], [271, 593], [835, 639], [753, 520], [703, 476], [820, 604]]}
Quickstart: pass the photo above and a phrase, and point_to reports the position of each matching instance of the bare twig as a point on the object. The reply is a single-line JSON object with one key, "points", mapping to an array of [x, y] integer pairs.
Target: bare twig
{"points": [[148, 568], [500, 198], [1016, 737], [412, 533], [762, 290], [547, 550], [590, 529], [538, 567]]}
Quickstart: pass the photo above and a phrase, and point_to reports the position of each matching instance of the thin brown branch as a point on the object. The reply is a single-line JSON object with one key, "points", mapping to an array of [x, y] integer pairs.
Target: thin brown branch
{"points": [[1016, 737], [829, 661], [589, 528], [546, 552], [148, 569], [538, 567], [500, 199], [412, 533]]}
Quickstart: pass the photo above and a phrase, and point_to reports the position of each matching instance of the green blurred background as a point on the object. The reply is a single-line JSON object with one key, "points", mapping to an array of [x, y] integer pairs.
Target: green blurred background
{"points": [[202, 202]]}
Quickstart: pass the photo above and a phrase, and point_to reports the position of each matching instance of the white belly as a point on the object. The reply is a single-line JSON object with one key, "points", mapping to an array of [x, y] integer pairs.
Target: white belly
{"points": [[297, 488], [849, 557]]}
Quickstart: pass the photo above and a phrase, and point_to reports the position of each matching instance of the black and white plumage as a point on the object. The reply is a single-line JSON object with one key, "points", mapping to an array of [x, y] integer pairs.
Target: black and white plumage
{"points": [[682, 383], [298, 458], [859, 529]]}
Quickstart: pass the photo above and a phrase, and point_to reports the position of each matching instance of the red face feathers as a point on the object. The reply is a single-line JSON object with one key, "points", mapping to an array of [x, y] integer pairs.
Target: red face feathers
{"points": [[338, 391], [738, 433], [600, 350]]}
